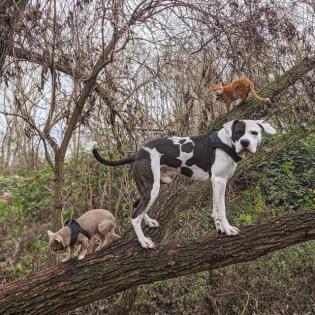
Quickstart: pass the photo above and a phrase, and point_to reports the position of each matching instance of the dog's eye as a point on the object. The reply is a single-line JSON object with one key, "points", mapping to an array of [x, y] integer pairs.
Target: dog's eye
{"points": [[254, 133]]}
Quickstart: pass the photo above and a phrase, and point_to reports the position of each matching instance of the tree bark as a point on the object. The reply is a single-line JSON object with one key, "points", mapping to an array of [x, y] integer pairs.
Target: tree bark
{"points": [[124, 264]]}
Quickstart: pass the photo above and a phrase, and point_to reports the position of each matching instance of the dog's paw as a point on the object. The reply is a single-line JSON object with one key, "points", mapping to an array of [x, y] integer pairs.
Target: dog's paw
{"points": [[231, 230], [219, 227], [223, 227], [153, 223], [147, 243]]}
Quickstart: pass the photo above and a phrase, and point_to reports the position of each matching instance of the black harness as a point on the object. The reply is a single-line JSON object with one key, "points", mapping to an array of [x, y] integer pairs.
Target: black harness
{"points": [[214, 142], [75, 230]]}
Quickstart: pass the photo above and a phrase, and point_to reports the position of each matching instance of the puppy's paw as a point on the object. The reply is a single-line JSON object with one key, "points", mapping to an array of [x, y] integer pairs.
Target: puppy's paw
{"points": [[147, 243]]}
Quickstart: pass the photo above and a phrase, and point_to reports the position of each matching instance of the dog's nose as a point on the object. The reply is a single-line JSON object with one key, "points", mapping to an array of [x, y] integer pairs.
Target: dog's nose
{"points": [[245, 143]]}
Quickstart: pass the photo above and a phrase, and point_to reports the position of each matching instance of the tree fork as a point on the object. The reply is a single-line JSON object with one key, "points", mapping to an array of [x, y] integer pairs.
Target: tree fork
{"points": [[124, 264]]}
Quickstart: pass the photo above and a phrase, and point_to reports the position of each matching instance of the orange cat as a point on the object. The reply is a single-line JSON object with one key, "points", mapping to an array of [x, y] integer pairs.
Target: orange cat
{"points": [[237, 91]]}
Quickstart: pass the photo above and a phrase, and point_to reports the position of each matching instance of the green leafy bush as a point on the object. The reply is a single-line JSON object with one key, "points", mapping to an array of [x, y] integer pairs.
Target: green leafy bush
{"points": [[31, 190]]}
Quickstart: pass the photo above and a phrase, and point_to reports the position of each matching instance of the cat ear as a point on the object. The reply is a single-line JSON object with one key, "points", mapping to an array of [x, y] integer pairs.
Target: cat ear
{"points": [[228, 127], [265, 126], [50, 233]]}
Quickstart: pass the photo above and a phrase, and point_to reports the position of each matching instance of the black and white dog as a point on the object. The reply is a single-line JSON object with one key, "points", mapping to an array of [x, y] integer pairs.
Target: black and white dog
{"points": [[159, 160]]}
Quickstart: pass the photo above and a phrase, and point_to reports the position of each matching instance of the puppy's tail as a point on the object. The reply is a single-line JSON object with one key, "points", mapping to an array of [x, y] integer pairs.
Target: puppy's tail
{"points": [[112, 163], [253, 92]]}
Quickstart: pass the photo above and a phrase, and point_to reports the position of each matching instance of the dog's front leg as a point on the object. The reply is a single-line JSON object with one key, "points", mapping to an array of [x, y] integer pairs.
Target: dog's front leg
{"points": [[84, 248], [215, 214], [219, 213]]}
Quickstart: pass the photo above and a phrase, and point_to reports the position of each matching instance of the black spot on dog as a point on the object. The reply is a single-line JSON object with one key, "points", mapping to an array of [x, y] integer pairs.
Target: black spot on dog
{"points": [[170, 161], [238, 130], [200, 156], [170, 151], [187, 147], [191, 161], [186, 171], [182, 141]]}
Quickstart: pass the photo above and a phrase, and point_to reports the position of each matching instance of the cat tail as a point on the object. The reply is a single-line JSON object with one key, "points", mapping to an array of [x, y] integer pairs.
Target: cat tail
{"points": [[253, 92]]}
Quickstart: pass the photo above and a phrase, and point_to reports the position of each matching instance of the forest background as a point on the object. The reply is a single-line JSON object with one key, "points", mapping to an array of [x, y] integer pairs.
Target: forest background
{"points": [[120, 73]]}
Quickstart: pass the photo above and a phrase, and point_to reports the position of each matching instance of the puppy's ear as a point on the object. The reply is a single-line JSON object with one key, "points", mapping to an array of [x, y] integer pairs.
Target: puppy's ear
{"points": [[265, 126], [59, 238], [50, 233], [228, 127]]}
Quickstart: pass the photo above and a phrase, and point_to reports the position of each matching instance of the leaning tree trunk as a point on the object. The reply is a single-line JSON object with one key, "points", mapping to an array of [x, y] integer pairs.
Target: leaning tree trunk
{"points": [[124, 264]]}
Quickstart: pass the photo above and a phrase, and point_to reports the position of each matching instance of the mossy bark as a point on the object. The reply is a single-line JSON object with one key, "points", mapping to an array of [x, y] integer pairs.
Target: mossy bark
{"points": [[124, 265]]}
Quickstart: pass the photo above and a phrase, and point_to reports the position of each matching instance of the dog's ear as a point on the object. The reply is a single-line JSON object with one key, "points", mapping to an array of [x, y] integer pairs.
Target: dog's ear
{"points": [[265, 126], [228, 127], [58, 238], [50, 233]]}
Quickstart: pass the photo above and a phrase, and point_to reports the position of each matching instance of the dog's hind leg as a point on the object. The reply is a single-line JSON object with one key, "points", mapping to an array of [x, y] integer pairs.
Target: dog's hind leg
{"points": [[147, 176], [106, 233]]}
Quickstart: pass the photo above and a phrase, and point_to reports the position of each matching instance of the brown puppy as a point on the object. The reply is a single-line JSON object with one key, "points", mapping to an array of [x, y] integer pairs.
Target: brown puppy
{"points": [[97, 222], [237, 91]]}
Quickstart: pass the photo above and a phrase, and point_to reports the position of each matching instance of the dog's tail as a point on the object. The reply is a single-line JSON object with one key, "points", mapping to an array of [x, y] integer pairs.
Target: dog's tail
{"points": [[112, 163]]}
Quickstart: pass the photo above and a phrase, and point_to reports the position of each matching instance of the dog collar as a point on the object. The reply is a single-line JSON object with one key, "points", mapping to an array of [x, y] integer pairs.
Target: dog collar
{"points": [[75, 230], [214, 142]]}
